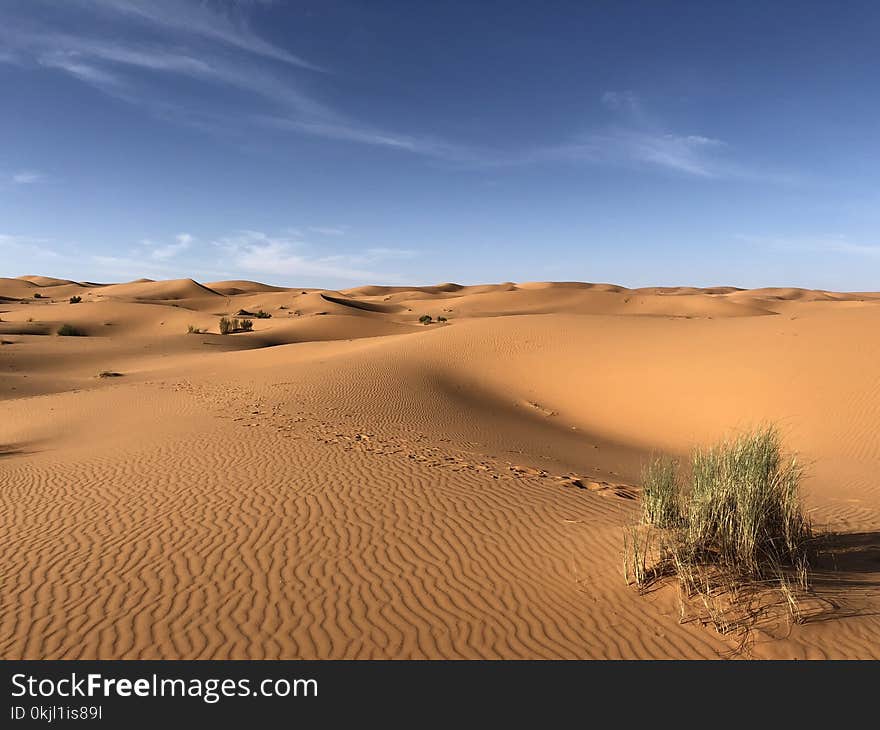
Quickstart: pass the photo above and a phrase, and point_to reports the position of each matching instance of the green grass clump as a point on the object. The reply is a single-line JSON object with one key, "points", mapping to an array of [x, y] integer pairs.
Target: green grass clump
{"points": [[75, 299], [662, 493], [425, 319], [744, 503], [229, 326], [193, 330], [729, 528], [263, 315], [68, 330]]}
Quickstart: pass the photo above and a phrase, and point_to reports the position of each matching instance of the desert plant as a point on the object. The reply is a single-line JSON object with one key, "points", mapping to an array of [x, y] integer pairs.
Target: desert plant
{"points": [[425, 319], [109, 374], [744, 502], [37, 295], [68, 330], [661, 493], [193, 330], [263, 315], [75, 299], [441, 319], [225, 325], [246, 325], [733, 528]]}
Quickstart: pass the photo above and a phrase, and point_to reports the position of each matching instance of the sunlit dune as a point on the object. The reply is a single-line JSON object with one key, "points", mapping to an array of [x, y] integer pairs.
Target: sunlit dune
{"points": [[346, 481]]}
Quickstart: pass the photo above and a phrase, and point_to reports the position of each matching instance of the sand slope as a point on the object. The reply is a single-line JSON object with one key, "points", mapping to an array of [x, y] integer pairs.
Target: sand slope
{"points": [[345, 482]]}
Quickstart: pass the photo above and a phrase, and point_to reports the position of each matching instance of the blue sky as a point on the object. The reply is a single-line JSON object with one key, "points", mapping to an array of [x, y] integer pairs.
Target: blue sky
{"points": [[335, 143]]}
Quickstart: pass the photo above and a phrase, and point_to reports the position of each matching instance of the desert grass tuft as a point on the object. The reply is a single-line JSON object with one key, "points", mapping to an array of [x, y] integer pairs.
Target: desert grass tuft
{"points": [[68, 330], [731, 530], [662, 494], [230, 326]]}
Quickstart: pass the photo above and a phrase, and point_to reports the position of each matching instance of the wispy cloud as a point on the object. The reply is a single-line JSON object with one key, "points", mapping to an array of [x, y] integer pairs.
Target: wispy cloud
{"points": [[18, 247], [622, 101], [230, 27], [328, 230], [164, 252], [635, 139], [690, 154], [27, 177], [259, 252], [213, 43], [835, 243]]}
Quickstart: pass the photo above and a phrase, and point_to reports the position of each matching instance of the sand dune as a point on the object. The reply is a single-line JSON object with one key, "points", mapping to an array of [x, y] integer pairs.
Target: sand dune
{"points": [[345, 482]]}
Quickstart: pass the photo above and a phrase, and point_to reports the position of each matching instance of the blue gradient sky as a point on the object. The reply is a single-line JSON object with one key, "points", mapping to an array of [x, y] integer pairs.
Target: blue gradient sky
{"points": [[329, 143]]}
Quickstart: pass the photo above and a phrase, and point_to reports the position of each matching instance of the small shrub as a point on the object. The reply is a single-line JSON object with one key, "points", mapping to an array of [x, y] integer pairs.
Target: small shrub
{"points": [[37, 295], [263, 315], [733, 529], [109, 374], [75, 299], [247, 325], [68, 330], [193, 330], [441, 319], [225, 325], [425, 319]]}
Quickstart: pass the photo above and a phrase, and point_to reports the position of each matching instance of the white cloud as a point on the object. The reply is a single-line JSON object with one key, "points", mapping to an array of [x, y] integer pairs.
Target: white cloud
{"points": [[27, 177], [622, 101], [164, 252], [87, 72], [258, 252], [189, 18], [639, 141], [198, 41], [23, 249], [835, 243], [328, 230]]}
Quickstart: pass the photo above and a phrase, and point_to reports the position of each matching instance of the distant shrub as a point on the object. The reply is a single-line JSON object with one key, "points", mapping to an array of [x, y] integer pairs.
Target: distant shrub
{"points": [[441, 319], [75, 300], [229, 326], [109, 374], [263, 315], [68, 330], [425, 319], [193, 330], [37, 295]]}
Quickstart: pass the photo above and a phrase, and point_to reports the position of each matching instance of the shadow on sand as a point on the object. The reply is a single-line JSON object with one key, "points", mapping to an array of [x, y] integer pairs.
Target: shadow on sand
{"points": [[845, 575]]}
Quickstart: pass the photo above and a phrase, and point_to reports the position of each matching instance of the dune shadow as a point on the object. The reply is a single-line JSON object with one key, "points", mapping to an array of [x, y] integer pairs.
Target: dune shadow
{"points": [[845, 575], [20, 449]]}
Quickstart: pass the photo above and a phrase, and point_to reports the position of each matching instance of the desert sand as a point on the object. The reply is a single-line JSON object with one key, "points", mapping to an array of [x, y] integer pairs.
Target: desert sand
{"points": [[346, 482]]}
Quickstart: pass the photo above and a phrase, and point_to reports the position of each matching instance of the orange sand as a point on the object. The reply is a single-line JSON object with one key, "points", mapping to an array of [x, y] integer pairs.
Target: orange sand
{"points": [[344, 482]]}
